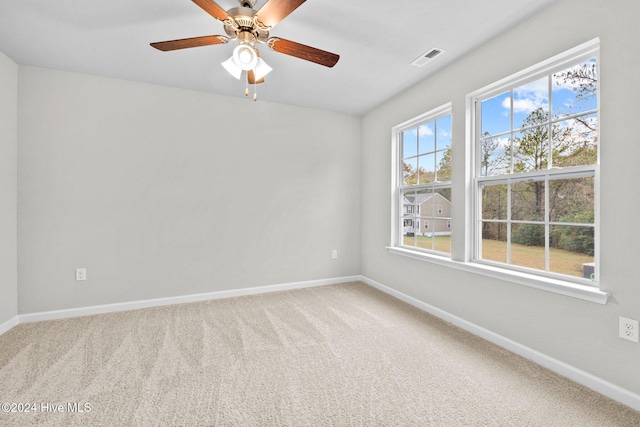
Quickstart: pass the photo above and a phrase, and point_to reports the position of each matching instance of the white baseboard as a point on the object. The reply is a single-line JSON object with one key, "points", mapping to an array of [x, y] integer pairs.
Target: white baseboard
{"points": [[606, 388], [157, 302], [4, 327]]}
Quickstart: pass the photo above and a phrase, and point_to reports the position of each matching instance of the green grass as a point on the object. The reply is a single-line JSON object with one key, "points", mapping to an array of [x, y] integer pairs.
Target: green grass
{"points": [[440, 243], [561, 261]]}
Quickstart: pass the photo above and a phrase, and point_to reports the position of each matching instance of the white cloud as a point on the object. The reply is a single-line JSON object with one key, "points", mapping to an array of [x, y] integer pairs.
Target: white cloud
{"points": [[425, 131], [528, 105], [529, 97]]}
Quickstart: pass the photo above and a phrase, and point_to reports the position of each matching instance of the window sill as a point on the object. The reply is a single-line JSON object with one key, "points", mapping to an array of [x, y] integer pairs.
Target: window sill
{"points": [[587, 293]]}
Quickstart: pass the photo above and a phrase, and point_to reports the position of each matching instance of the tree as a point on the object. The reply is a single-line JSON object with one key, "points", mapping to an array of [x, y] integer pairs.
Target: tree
{"points": [[444, 168], [489, 162]]}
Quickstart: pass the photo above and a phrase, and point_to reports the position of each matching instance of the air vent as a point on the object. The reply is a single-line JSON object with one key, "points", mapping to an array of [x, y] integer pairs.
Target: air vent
{"points": [[426, 57]]}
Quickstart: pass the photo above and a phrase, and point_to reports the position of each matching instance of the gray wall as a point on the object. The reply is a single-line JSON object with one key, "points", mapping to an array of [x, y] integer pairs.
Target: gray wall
{"points": [[162, 192], [8, 187], [580, 333]]}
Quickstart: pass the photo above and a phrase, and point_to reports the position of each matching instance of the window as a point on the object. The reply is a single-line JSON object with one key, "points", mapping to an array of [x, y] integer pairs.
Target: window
{"points": [[423, 182], [529, 182], [536, 171]]}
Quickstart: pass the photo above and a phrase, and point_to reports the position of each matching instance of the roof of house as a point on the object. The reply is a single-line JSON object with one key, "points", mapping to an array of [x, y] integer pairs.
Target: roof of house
{"points": [[420, 198]]}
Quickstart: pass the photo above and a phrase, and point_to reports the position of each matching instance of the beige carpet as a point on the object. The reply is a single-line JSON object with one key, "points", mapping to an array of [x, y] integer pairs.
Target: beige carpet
{"points": [[343, 355]]}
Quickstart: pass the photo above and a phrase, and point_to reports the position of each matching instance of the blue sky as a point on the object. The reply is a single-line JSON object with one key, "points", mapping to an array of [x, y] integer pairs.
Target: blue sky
{"points": [[428, 137], [496, 111]]}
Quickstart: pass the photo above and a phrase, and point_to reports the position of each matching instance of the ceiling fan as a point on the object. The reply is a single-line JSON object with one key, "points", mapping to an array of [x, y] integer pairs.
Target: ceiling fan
{"points": [[250, 28]]}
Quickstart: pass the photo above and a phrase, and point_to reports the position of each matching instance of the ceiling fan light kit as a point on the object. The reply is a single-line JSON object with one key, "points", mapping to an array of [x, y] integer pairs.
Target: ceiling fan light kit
{"points": [[249, 27], [261, 69], [245, 57], [232, 68]]}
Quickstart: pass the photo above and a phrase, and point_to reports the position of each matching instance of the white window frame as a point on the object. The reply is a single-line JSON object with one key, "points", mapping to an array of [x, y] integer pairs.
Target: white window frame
{"points": [[545, 69], [462, 246], [397, 178]]}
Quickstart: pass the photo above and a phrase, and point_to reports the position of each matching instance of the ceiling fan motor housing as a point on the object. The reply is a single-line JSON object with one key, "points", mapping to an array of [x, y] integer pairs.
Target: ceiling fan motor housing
{"points": [[244, 26]]}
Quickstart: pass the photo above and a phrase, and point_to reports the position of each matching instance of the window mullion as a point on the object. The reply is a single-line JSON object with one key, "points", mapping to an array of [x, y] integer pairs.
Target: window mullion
{"points": [[550, 125], [509, 223], [547, 228]]}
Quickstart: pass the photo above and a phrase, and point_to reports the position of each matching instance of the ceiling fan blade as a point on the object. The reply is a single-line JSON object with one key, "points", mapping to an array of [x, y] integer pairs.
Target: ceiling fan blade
{"points": [[213, 9], [190, 42], [251, 78], [275, 11], [301, 51]]}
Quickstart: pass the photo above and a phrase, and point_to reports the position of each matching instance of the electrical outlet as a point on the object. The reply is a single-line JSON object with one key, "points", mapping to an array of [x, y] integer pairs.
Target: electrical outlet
{"points": [[628, 329], [334, 254], [81, 274]]}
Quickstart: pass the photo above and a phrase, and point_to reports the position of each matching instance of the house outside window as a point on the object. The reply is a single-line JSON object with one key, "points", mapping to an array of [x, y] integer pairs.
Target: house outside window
{"points": [[536, 171], [423, 164]]}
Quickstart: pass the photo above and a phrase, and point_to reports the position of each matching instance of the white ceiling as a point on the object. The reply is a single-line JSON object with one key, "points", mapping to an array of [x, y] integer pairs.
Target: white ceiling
{"points": [[376, 40]]}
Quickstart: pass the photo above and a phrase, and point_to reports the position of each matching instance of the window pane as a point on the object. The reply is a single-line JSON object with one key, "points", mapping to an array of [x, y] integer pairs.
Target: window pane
{"points": [[426, 168], [408, 217], [494, 159], [527, 246], [425, 241], [443, 199], [443, 127], [427, 140], [530, 102], [575, 89], [442, 243], [572, 200], [409, 143], [494, 202], [572, 249], [527, 201], [443, 161], [530, 149], [496, 115], [440, 224], [494, 241], [437, 235], [409, 239], [575, 141], [409, 226], [410, 171]]}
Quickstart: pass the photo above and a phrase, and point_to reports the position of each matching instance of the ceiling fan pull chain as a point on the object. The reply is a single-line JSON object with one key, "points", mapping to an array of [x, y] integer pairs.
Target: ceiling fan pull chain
{"points": [[255, 91], [246, 88]]}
